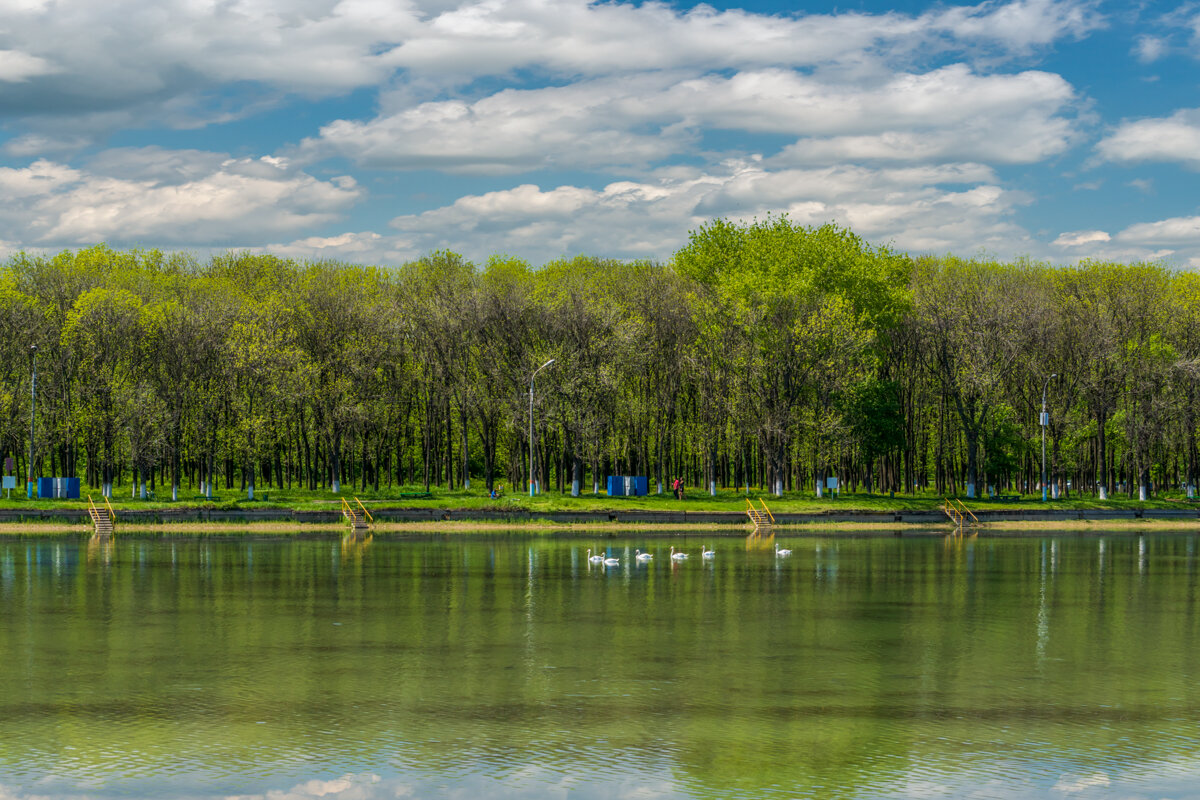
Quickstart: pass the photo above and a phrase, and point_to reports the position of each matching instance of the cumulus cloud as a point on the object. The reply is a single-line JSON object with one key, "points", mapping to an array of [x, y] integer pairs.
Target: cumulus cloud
{"points": [[924, 209], [578, 37], [1166, 232], [1173, 139], [74, 59], [862, 118], [181, 198], [948, 113], [583, 125], [361, 247], [1148, 49], [16, 66], [1080, 238]]}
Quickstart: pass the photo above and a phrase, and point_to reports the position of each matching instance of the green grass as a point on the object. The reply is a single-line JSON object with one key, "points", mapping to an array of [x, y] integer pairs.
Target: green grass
{"points": [[725, 500]]}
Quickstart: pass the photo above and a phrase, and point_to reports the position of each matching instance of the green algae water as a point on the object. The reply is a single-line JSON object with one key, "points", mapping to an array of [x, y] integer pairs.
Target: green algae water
{"points": [[511, 666]]}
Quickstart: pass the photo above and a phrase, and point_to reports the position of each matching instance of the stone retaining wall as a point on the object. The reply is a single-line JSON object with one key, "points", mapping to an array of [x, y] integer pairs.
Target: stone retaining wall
{"points": [[643, 517]]}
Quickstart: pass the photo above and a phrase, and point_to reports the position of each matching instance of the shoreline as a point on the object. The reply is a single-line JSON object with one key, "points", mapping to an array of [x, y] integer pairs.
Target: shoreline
{"points": [[615, 528]]}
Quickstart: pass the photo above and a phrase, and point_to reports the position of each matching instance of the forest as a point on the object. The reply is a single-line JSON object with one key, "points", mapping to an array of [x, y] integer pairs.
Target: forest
{"points": [[762, 354]]}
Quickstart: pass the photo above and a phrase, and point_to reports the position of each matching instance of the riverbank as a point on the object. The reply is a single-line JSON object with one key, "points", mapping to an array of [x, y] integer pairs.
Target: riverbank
{"points": [[464, 525], [460, 510]]}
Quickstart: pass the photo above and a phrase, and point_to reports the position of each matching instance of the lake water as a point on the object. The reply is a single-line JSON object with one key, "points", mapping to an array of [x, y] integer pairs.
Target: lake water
{"points": [[509, 666]]}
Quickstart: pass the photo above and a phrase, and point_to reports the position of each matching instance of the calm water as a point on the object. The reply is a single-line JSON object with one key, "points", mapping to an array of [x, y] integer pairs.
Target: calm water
{"points": [[487, 666]]}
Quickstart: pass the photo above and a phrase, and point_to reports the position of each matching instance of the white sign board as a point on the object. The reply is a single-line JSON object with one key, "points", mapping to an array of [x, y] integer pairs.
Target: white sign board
{"points": [[10, 482], [831, 483]]}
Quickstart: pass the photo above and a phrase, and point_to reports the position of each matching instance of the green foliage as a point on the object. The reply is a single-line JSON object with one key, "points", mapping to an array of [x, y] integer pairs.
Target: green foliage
{"points": [[876, 416], [765, 353]]}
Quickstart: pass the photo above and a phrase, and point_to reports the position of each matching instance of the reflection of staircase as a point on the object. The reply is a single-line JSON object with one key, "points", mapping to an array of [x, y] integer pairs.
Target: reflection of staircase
{"points": [[761, 517], [102, 518], [359, 518]]}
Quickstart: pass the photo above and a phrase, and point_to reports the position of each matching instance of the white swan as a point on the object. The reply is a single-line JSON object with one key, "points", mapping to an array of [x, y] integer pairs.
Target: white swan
{"points": [[595, 559], [612, 562], [678, 556], [640, 556], [707, 553], [779, 552]]}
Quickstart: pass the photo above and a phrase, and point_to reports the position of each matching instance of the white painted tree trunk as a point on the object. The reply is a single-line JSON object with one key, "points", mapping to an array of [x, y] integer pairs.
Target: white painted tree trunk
{"points": [[779, 487], [574, 487], [595, 487], [337, 486], [1103, 492], [970, 490], [1054, 491], [174, 492], [712, 488], [107, 490], [1142, 492], [820, 491], [1191, 492]]}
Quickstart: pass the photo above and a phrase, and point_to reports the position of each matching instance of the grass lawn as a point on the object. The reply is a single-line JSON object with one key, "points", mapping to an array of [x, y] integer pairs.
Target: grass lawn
{"points": [[725, 500]]}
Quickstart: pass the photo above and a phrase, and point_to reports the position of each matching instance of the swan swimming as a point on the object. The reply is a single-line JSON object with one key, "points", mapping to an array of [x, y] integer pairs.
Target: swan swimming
{"points": [[707, 553], [612, 562], [779, 552], [640, 556], [595, 559], [678, 556]]}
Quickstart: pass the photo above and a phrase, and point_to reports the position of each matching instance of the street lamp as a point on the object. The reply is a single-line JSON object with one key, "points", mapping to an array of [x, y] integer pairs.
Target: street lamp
{"points": [[32, 409], [531, 377], [1045, 420]]}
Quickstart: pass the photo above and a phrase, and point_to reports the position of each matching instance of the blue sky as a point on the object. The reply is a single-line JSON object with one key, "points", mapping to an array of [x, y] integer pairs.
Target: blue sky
{"points": [[379, 130]]}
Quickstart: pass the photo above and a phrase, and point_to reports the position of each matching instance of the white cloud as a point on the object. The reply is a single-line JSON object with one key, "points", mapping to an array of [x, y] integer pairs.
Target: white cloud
{"points": [[1148, 49], [45, 143], [1080, 238], [16, 66], [780, 101], [908, 208], [949, 113], [577, 37], [1023, 25], [580, 126], [362, 247], [186, 62], [1173, 139], [1167, 232], [175, 199], [855, 117]]}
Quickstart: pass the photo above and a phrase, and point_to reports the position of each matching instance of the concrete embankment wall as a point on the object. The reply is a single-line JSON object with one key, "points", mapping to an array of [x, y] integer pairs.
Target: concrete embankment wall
{"points": [[635, 517]]}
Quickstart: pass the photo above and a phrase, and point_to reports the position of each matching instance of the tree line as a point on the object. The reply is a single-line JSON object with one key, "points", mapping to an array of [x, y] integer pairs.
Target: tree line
{"points": [[762, 355]]}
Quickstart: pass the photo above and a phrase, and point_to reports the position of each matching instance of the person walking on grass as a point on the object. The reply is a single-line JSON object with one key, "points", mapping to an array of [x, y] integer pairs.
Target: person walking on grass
{"points": [[677, 486]]}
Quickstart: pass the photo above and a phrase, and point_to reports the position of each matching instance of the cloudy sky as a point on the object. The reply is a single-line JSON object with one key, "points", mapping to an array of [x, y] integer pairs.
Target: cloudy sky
{"points": [[379, 130]]}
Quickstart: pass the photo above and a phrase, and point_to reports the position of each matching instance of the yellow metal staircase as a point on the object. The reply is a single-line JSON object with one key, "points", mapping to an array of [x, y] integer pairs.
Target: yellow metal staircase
{"points": [[103, 518], [359, 518], [761, 517], [957, 511]]}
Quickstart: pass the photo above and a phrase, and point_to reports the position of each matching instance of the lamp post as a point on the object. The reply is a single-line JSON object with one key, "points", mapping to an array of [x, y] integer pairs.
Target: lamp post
{"points": [[32, 409], [531, 377], [1045, 420]]}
